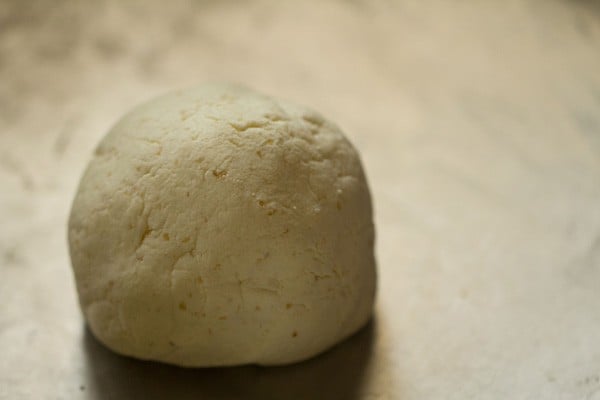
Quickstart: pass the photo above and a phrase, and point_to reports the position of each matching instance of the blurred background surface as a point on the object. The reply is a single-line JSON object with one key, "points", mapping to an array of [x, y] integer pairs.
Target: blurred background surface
{"points": [[479, 127]]}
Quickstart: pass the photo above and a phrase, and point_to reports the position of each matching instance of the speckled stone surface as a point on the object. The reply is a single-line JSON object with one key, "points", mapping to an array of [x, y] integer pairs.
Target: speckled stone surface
{"points": [[479, 127]]}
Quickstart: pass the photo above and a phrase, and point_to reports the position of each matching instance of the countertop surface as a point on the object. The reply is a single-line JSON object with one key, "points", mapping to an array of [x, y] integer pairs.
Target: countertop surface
{"points": [[479, 128]]}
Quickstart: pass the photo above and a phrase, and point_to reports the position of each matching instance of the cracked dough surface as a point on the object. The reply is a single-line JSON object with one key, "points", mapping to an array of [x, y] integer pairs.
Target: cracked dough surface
{"points": [[217, 226]]}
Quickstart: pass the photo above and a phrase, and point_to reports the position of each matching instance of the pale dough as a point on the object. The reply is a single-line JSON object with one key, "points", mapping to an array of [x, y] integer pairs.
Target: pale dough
{"points": [[217, 226]]}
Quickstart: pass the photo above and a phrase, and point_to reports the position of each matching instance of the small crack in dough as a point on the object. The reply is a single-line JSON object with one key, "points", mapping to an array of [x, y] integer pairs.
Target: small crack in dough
{"points": [[218, 226]]}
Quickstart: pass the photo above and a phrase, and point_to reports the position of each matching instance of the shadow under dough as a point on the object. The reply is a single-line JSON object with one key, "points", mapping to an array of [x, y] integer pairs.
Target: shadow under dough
{"points": [[335, 374]]}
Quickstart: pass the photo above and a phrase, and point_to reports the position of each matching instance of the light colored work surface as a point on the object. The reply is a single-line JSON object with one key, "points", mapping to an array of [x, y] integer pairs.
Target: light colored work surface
{"points": [[479, 126]]}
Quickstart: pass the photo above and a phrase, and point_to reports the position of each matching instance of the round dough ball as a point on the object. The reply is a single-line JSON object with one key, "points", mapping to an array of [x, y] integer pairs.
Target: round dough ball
{"points": [[217, 226]]}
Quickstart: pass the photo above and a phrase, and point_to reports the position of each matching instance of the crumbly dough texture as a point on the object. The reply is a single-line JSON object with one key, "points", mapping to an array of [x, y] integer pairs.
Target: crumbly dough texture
{"points": [[217, 226]]}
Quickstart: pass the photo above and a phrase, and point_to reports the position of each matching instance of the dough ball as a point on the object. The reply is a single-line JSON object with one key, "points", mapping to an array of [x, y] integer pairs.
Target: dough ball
{"points": [[217, 226]]}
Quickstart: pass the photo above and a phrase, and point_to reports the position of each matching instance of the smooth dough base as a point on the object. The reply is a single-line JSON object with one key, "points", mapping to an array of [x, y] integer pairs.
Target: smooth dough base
{"points": [[217, 226]]}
